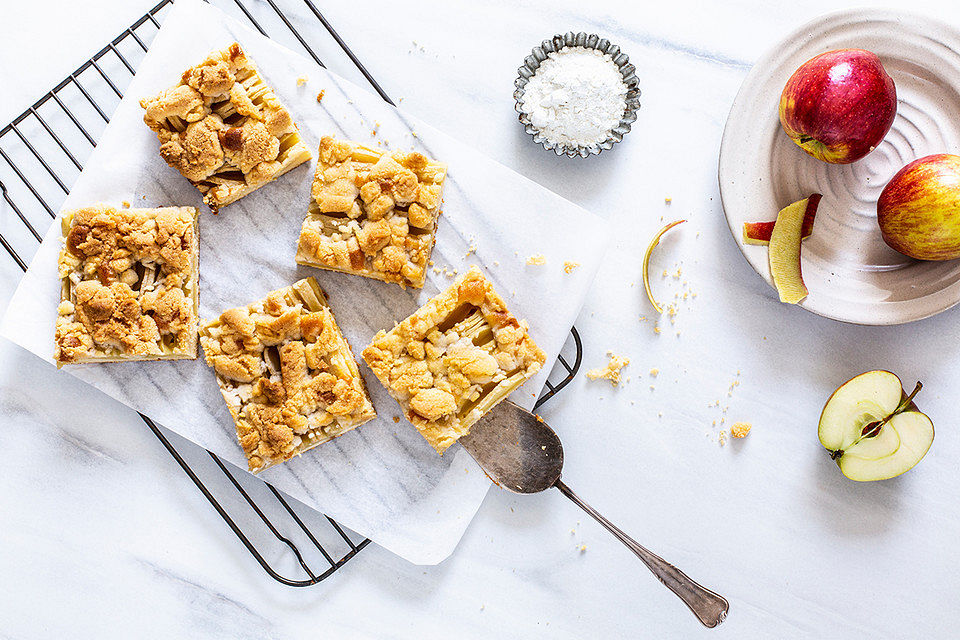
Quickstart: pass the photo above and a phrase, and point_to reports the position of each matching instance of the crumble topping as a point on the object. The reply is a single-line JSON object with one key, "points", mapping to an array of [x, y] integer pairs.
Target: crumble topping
{"points": [[128, 285], [538, 259], [454, 359], [224, 129], [287, 374], [372, 213], [740, 429], [612, 369]]}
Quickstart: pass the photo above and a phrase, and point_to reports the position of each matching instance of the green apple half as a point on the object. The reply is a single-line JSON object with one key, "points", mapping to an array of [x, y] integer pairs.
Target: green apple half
{"points": [[872, 428]]}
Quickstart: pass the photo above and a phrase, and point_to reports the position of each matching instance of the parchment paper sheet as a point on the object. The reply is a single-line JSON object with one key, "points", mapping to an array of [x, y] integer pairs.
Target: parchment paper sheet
{"points": [[381, 480]]}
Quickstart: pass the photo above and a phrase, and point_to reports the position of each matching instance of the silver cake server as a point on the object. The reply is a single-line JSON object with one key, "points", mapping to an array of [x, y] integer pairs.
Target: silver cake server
{"points": [[520, 453]]}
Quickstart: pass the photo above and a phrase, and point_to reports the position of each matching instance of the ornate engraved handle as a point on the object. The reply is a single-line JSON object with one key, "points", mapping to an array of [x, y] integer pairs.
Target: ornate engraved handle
{"points": [[709, 607]]}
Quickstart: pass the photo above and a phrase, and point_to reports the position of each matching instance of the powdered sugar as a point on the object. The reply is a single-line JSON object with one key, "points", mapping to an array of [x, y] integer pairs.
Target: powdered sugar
{"points": [[576, 97]]}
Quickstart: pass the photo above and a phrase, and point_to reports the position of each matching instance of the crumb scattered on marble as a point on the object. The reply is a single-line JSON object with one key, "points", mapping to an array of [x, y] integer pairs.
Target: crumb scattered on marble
{"points": [[667, 200], [654, 372], [611, 371], [320, 95], [568, 266], [126, 205], [537, 259], [302, 80], [740, 429], [722, 438], [396, 418]]}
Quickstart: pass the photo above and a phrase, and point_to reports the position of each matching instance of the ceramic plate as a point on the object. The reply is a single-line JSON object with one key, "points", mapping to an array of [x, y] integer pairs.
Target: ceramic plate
{"points": [[852, 275]]}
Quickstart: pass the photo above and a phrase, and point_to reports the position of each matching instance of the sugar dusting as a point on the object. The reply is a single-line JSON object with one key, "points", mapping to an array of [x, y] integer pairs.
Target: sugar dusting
{"points": [[576, 97]]}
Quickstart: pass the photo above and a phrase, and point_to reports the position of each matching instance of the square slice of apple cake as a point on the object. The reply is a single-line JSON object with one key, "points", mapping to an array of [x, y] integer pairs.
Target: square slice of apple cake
{"points": [[287, 374], [454, 359], [224, 129], [372, 213], [128, 285]]}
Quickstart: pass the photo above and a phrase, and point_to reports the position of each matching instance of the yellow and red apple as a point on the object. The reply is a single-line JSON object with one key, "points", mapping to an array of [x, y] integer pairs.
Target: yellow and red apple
{"points": [[839, 105], [919, 209]]}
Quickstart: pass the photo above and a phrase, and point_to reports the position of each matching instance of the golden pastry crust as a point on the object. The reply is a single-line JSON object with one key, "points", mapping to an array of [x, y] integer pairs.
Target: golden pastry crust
{"points": [[740, 429], [454, 359], [224, 129], [372, 213], [128, 285], [287, 374]]}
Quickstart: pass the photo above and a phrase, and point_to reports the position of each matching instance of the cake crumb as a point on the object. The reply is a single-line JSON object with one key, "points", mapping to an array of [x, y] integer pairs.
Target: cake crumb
{"points": [[740, 429], [320, 95], [667, 200], [723, 438], [126, 205], [611, 371], [583, 548], [537, 259], [396, 418], [302, 80], [568, 266], [654, 372]]}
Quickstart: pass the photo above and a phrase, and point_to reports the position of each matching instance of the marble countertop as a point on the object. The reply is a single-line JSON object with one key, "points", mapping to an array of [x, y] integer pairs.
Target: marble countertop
{"points": [[103, 536]]}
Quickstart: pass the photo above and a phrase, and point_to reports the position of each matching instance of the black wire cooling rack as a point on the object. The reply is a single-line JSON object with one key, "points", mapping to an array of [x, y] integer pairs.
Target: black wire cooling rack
{"points": [[49, 142]]}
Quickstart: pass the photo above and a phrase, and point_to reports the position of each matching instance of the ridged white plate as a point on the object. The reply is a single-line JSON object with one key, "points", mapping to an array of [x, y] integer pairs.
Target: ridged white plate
{"points": [[852, 275]]}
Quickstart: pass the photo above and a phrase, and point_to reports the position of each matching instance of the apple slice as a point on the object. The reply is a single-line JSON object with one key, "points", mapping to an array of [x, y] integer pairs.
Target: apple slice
{"points": [[784, 253], [759, 232], [872, 428]]}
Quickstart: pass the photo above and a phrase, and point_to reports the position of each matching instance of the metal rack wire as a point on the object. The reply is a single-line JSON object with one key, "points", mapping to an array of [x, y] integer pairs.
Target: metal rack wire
{"points": [[49, 143]]}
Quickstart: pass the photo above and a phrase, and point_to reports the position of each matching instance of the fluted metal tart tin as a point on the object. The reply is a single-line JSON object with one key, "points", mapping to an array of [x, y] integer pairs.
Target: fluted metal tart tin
{"points": [[590, 41]]}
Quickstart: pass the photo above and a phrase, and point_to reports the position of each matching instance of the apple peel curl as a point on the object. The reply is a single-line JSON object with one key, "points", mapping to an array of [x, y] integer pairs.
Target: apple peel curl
{"points": [[759, 232], [646, 263]]}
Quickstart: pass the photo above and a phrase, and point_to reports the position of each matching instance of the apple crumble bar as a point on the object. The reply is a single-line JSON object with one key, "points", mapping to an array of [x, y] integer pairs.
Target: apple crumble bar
{"points": [[287, 374], [224, 129], [454, 359], [128, 282], [372, 213]]}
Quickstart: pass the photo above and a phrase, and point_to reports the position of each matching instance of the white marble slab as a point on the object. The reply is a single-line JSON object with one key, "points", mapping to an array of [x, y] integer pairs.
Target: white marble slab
{"points": [[769, 522]]}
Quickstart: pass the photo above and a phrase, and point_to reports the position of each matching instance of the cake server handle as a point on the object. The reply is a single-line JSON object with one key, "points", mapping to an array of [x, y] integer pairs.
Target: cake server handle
{"points": [[709, 607]]}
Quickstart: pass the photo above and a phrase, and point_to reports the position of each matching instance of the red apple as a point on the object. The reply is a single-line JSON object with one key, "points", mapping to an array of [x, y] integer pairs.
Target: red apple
{"points": [[839, 105], [919, 209]]}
